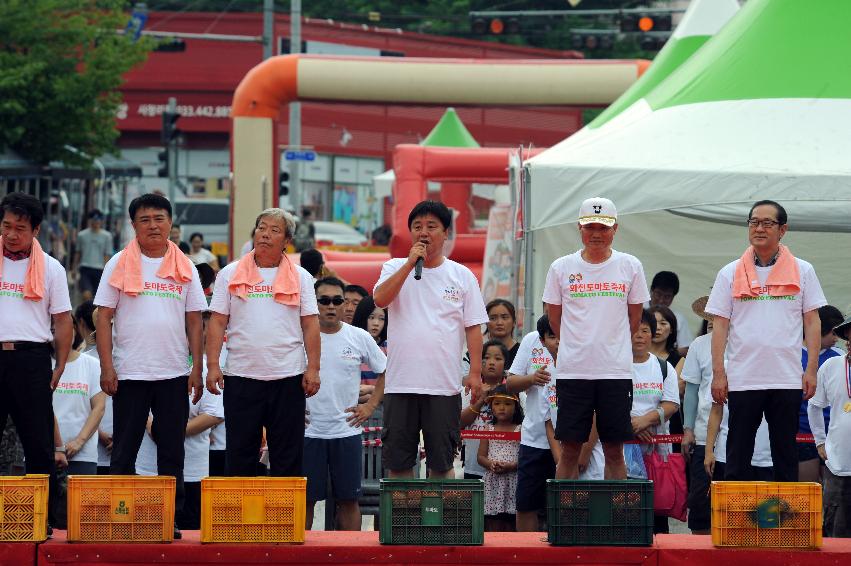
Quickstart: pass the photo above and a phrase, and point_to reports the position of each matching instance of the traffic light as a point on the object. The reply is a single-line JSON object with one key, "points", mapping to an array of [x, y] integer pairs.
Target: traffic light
{"points": [[495, 26], [162, 156], [169, 130], [643, 23], [171, 46], [283, 183], [652, 43], [592, 41]]}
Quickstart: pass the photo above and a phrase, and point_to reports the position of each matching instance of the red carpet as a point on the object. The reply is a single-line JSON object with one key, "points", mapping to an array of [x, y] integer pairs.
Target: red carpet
{"points": [[362, 549]]}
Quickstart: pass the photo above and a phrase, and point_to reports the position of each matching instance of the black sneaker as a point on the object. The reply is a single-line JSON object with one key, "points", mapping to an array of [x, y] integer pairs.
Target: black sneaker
{"points": [[49, 532], [177, 534]]}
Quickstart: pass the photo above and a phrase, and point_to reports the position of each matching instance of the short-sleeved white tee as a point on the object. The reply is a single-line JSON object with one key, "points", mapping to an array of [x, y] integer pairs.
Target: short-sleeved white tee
{"points": [[697, 369], [595, 335], [764, 344], [218, 434], [196, 460], [531, 356], [72, 403], [265, 339], [426, 327], [684, 334], [149, 340], [343, 352], [483, 421], [32, 318], [832, 391], [203, 256], [649, 389]]}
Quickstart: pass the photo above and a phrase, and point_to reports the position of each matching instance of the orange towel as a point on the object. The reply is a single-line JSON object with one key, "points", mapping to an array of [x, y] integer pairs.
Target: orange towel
{"points": [[127, 276], [784, 278], [286, 286], [34, 277]]}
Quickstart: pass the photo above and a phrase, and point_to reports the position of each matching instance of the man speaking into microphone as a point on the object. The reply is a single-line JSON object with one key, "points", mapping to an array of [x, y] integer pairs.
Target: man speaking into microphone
{"points": [[427, 324]]}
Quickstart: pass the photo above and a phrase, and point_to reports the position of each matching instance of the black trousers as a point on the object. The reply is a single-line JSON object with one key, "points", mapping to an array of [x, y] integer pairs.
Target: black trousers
{"points": [[25, 381], [167, 399], [781, 407], [250, 405], [189, 518]]}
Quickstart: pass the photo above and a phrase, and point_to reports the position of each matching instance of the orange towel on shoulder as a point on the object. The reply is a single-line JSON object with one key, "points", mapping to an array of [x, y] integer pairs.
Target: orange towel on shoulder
{"points": [[286, 287], [784, 278], [127, 276], [34, 278]]}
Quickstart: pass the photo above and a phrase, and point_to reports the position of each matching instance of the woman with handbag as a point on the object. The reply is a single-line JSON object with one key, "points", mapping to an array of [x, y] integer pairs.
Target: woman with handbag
{"points": [[655, 397]]}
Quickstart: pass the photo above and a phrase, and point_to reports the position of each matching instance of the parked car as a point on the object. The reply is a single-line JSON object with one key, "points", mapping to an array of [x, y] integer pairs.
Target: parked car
{"points": [[337, 234], [207, 216]]}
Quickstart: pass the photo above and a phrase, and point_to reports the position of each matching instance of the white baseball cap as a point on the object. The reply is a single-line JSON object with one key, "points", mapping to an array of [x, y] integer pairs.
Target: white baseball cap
{"points": [[598, 210]]}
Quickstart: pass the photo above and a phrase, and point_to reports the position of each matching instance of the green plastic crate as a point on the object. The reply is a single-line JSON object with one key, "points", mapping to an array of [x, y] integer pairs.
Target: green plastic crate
{"points": [[432, 512], [600, 513]]}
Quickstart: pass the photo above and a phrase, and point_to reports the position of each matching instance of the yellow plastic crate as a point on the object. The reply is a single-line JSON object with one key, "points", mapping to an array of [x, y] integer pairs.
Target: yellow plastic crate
{"points": [[766, 514], [23, 508], [120, 508], [253, 509]]}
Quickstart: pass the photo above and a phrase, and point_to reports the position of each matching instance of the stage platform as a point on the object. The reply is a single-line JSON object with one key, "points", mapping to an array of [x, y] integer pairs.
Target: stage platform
{"points": [[362, 549]]}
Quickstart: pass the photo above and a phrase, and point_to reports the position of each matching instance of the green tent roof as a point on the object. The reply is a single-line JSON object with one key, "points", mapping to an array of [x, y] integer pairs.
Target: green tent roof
{"points": [[450, 132], [770, 49]]}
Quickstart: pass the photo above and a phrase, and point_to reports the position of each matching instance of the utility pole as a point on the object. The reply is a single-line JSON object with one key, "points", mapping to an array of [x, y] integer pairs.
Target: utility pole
{"points": [[268, 28], [171, 148], [295, 111]]}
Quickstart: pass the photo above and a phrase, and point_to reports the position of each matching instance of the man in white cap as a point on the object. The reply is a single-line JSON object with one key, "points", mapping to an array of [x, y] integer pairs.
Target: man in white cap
{"points": [[594, 298]]}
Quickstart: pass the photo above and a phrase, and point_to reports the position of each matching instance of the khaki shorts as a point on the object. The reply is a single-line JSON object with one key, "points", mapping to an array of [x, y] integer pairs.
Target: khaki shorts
{"points": [[405, 415]]}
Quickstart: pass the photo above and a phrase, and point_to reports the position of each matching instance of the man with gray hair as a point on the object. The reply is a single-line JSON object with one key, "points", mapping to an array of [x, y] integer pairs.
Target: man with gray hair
{"points": [[267, 305]]}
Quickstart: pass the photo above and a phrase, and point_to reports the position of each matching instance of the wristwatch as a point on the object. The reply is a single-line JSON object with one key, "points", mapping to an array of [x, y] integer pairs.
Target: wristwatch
{"points": [[60, 449]]}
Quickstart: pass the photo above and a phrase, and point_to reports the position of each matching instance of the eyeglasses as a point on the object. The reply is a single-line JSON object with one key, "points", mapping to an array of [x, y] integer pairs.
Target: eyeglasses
{"points": [[754, 223], [325, 301]]}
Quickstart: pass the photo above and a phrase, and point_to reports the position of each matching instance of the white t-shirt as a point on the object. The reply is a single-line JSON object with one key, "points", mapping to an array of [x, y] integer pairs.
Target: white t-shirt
{"points": [[697, 369], [484, 421], [426, 327], [343, 352], [196, 460], [265, 340], [764, 345], [832, 392], [32, 318], [684, 334], [649, 389], [218, 434], [531, 356], [72, 403], [595, 336], [762, 447], [203, 256], [149, 332]]}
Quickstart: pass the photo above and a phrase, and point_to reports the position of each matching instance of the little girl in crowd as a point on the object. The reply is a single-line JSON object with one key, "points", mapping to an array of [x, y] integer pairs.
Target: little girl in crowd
{"points": [[499, 459], [475, 412]]}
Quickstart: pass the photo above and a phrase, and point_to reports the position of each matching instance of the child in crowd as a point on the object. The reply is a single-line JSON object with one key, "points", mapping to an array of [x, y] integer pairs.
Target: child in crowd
{"points": [[530, 372], [476, 413], [499, 459]]}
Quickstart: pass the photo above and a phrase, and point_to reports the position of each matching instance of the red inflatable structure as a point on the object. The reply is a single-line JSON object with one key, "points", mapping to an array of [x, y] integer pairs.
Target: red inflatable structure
{"points": [[414, 166]]}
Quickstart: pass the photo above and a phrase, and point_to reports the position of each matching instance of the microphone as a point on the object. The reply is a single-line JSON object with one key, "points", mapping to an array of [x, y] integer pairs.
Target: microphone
{"points": [[418, 269]]}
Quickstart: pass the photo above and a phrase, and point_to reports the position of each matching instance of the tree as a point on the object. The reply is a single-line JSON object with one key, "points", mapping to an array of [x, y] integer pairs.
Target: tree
{"points": [[61, 63]]}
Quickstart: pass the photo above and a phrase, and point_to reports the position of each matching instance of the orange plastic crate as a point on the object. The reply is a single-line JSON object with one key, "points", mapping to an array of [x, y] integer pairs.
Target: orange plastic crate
{"points": [[766, 514], [270, 510], [120, 508], [23, 508]]}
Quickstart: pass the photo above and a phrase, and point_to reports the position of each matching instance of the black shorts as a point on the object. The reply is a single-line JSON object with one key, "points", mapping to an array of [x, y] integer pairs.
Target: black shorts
{"points": [[580, 399], [699, 513], [534, 467], [405, 415], [89, 278], [342, 458]]}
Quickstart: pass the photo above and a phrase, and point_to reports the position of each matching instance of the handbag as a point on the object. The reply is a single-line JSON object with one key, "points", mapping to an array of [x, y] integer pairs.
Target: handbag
{"points": [[668, 474]]}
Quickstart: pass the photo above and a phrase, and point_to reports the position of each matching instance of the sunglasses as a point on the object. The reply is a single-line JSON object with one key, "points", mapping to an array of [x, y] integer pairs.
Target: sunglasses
{"points": [[325, 301]]}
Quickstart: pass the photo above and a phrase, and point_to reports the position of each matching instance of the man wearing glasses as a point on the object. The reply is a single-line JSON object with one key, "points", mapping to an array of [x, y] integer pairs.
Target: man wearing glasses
{"points": [[762, 304], [332, 440], [268, 307]]}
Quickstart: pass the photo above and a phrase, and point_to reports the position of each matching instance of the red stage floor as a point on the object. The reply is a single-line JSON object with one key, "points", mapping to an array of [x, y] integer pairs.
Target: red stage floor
{"points": [[17, 553], [362, 549]]}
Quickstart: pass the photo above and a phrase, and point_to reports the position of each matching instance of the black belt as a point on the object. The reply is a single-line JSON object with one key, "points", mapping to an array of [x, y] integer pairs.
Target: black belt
{"points": [[19, 346]]}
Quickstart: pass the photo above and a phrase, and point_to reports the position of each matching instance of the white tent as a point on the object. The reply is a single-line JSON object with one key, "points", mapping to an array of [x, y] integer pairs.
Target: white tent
{"points": [[761, 111]]}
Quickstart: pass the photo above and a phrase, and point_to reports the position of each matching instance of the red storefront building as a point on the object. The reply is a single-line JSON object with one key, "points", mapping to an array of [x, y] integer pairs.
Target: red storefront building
{"points": [[354, 142]]}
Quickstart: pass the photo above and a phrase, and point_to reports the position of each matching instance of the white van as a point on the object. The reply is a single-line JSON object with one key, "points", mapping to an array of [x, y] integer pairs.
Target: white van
{"points": [[208, 216]]}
